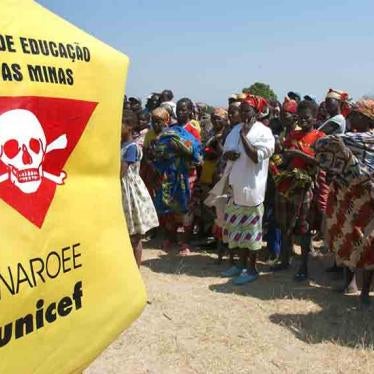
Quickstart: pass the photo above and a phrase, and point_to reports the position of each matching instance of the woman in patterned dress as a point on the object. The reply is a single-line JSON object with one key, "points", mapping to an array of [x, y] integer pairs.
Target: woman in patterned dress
{"points": [[176, 153], [349, 159]]}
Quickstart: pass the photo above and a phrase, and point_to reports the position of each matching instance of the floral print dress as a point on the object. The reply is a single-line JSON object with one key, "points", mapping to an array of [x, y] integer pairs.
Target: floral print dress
{"points": [[139, 210]]}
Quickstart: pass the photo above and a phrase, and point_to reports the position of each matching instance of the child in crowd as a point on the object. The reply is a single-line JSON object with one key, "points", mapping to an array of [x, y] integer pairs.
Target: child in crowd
{"points": [[295, 178], [139, 211], [234, 119], [141, 127], [212, 155], [218, 196]]}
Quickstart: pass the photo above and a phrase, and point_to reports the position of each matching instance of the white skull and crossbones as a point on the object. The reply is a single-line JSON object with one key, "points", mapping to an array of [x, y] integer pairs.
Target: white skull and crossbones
{"points": [[23, 147]]}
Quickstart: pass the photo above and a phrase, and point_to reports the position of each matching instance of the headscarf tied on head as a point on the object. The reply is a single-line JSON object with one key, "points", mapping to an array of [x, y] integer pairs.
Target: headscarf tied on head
{"points": [[341, 96], [162, 113], [220, 112], [337, 95], [365, 107], [257, 102], [241, 97], [289, 105]]}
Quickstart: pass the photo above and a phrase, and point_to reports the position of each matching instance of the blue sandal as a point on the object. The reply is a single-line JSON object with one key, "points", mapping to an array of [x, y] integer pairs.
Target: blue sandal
{"points": [[246, 277], [232, 272]]}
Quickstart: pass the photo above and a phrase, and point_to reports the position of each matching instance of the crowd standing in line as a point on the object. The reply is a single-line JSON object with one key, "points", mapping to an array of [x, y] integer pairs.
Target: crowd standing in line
{"points": [[257, 171]]}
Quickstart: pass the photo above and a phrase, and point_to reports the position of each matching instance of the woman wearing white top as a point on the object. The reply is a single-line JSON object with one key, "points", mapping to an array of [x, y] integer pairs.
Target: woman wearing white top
{"points": [[249, 146]]}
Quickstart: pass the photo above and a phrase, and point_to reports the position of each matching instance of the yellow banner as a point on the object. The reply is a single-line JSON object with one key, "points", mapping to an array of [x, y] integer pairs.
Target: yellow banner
{"points": [[68, 280]]}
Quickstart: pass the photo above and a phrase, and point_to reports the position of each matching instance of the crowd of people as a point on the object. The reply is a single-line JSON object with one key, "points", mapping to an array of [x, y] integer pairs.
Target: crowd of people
{"points": [[257, 173]]}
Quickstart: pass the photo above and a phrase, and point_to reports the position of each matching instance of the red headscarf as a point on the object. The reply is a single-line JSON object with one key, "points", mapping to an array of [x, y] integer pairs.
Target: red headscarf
{"points": [[342, 97], [290, 105], [257, 102]]}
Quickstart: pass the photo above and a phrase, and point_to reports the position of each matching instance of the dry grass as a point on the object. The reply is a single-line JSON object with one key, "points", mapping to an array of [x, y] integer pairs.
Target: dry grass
{"points": [[197, 322]]}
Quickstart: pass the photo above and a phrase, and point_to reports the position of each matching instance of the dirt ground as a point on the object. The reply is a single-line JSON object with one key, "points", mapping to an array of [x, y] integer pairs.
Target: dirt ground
{"points": [[198, 322]]}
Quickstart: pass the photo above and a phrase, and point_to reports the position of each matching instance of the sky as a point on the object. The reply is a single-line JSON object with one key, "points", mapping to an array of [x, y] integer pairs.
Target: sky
{"points": [[207, 50]]}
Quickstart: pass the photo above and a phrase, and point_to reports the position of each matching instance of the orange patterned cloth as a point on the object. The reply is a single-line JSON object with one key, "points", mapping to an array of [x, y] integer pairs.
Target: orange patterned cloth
{"points": [[366, 107]]}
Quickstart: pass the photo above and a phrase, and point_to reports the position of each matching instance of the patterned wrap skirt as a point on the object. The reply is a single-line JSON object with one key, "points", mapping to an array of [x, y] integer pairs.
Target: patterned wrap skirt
{"points": [[350, 224], [243, 226]]}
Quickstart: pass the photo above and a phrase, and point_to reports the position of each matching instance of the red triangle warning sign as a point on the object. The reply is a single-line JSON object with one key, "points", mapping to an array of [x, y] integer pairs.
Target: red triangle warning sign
{"points": [[37, 136]]}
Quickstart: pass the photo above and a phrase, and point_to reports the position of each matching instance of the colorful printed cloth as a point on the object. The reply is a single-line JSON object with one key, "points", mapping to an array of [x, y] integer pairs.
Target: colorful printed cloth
{"points": [[299, 174], [294, 214], [350, 223], [175, 153], [302, 141], [298, 195], [350, 207], [362, 145], [194, 128], [243, 226], [290, 182], [150, 136], [366, 107], [347, 156]]}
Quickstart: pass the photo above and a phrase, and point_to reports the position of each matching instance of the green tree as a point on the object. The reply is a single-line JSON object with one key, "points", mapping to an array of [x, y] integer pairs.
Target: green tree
{"points": [[261, 89], [210, 109]]}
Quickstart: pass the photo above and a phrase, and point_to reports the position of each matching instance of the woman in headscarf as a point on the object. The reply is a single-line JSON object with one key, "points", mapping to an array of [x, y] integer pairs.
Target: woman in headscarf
{"points": [[176, 153], [160, 119], [337, 107], [295, 178], [349, 159], [249, 147]]}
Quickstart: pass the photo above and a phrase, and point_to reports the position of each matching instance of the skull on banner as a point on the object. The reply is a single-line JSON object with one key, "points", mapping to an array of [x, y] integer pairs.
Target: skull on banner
{"points": [[22, 148]]}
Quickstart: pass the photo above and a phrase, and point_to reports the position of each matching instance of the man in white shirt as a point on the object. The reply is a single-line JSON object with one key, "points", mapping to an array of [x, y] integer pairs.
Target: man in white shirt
{"points": [[249, 146]]}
